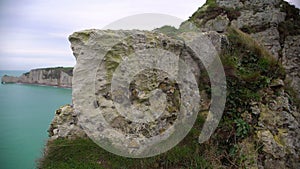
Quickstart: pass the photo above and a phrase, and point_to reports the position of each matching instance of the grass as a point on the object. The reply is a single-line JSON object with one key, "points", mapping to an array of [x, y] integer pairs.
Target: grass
{"points": [[68, 70], [210, 10], [249, 68], [168, 30], [84, 153]]}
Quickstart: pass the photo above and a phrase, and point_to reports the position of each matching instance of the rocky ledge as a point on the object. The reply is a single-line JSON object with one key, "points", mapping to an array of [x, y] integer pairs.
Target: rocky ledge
{"points": [[260, 124], [65, 124], [275, 24], [270, 125], [276, 130], [59, 76]]}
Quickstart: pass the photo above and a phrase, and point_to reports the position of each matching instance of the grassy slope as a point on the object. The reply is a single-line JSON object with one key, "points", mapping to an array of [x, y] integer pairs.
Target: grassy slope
{"points": [[84, 153], [210, 10], [249, 69]]}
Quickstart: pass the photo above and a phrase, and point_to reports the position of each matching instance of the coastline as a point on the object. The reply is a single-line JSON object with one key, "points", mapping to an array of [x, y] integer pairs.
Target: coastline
{"points": [[37, 84], [26, 112], [58, 77]]}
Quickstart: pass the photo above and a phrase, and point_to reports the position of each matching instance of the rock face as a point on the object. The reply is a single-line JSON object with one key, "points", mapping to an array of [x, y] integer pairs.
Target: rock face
{"points": [[64, 124], [274, 134], [100, 52], [61, 77], [9, 79], [274, 23], [291, 60], [278, 129]]}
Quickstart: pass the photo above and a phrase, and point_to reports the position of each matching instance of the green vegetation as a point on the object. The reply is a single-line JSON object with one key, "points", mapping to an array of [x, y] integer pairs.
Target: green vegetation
{"points": [[56, 68], [242, 128], [68, 70], [55, 72], [249, 69], [168, 30], [114, 57], [211, 10], [84, 153], [83, 35]]}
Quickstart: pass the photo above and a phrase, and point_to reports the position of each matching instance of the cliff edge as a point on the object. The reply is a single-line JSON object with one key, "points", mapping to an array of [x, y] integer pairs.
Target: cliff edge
{"points": [[275, 24], [59, 76], [257, 42]]}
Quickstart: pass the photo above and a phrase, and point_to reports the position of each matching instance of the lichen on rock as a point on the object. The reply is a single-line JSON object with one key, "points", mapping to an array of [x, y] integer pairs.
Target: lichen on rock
{"points": [[278, 130], [97, 64], [260, 125], [274, 24], [65, 124]]}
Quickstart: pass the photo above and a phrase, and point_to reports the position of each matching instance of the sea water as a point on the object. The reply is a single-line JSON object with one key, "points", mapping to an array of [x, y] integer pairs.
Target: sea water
{"points": [[25, 115]]}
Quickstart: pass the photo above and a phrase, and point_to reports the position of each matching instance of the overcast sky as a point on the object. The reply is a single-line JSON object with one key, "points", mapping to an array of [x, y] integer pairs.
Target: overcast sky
{"points": [[34, 32]]}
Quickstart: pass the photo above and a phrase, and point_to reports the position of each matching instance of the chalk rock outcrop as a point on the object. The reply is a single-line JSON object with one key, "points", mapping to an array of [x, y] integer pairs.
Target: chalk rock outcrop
{"points": [[291, 60], [272, 138], [273, 23], [61, 77], [64, 124], [101, 53], [278, 129]]}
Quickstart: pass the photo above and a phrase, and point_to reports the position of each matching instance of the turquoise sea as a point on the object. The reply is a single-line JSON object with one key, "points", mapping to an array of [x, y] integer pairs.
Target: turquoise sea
{"points": [[25, 114]]}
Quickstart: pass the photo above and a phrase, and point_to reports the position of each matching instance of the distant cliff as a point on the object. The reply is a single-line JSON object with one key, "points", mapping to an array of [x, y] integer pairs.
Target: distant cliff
{"points": [[58, 76]]}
